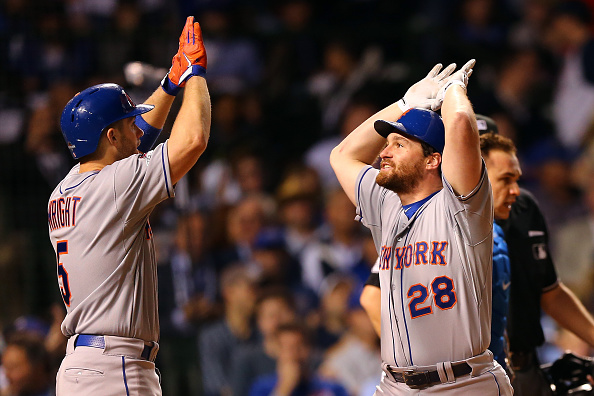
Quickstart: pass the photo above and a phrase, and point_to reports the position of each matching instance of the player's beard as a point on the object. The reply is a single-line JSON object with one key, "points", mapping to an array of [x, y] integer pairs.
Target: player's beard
{"points": [[404, 178], [128, 147]]}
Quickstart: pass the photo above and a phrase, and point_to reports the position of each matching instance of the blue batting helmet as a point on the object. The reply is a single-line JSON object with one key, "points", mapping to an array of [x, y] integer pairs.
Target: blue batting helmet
{"points": [[421, 124], [91, 111]]}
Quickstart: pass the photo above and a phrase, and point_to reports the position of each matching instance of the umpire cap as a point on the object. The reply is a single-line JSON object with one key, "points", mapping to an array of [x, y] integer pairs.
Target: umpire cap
{"points": [[486, 124], [89, 112], [421, 124]]}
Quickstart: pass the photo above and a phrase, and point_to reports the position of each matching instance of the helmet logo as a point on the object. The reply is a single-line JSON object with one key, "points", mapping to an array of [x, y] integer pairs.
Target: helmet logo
{"points": [[127, 102]]}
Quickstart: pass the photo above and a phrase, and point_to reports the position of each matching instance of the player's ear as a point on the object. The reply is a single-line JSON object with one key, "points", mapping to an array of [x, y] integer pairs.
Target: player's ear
{"points": [[433, 161], [110, 134]]}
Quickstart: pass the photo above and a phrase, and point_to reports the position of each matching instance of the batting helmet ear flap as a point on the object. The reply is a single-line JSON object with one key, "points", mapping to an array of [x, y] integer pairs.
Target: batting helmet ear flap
{"points": [[89, 112]]}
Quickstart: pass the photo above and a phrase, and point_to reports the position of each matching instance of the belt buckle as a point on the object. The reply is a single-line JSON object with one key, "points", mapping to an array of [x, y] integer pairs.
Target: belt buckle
{"points": [[416, 379]]}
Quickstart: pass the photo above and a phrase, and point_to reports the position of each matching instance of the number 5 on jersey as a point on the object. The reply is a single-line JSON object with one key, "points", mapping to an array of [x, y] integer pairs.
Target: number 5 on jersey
{"points": [[62, 248]]}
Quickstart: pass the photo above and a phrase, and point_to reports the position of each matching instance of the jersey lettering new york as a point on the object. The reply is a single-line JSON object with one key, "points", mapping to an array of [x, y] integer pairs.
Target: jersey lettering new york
{"points": [[419, 253], [435, 271]]}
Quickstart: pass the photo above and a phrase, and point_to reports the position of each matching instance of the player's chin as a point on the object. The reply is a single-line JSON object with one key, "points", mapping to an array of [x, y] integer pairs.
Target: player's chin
{"points": [[502, 213]]}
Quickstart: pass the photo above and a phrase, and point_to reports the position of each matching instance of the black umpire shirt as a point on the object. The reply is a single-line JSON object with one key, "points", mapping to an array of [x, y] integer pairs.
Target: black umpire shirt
{"points": [[532, 272]]}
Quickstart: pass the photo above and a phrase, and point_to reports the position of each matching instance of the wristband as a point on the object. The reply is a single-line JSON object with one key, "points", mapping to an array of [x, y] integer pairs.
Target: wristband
{"points": [[403, 106], [150, 134], [454, 82], [169, 87]]}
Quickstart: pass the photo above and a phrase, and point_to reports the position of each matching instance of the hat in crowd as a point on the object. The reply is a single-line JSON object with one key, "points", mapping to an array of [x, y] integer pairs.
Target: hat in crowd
{"points": [[301, 184], [486, 124], [270, 239], [420, 124]]}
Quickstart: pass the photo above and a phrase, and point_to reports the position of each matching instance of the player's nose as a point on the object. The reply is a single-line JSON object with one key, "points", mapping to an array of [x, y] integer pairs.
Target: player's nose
{"points": [[139, 132], [515, 189], [385, 153]]}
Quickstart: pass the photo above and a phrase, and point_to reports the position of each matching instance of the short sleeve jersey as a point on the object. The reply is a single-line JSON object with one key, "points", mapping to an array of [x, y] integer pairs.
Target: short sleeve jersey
{"points": [[532, 271], [99, 228], [435, 271]]}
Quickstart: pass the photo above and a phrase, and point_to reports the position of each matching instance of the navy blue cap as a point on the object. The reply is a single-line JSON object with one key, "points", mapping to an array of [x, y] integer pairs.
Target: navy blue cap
{"points": [[486, 124], [421, 124]]}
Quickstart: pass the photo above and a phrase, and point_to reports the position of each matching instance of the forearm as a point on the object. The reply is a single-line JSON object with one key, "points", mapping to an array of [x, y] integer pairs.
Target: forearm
{"points": [[162, 102], [461, 155], [370, 300], [364, 143], [563, 306], [193, 121], [360, 148], [191, 130]]}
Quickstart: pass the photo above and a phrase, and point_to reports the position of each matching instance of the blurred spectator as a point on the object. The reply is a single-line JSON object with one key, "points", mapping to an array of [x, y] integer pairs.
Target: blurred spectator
{"points": [[226, 182], [571, 37], [27, 367], [548, 175], [293, 51], [520, 90], [318, 156], [355, 358], [219, 342], [47, 327], [340, 248], [329, 322], [121, 42], [478, 31], [574, 249], [32, 166], [275, 308], [298, 196], [233, 60], [187, 293], [243, 222], [532, 23], [278, 269], [294, 376], [345, 72]]}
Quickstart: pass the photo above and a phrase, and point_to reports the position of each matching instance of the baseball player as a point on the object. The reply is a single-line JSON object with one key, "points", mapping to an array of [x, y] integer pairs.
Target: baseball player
{"points": [[370, 296], [430, 210], [99, 222]]}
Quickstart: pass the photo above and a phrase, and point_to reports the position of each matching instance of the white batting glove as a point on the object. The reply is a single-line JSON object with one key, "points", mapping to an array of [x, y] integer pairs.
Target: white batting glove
{"points": [[423, 93], [458, 78]]}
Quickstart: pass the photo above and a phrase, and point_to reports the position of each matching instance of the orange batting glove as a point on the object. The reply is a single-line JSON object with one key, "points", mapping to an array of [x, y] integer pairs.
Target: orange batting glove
{"points": [[190, 59]]}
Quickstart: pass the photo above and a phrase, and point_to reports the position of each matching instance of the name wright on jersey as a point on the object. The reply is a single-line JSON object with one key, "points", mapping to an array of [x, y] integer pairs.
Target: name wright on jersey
{"points": [[418, 253], [61, 212]]}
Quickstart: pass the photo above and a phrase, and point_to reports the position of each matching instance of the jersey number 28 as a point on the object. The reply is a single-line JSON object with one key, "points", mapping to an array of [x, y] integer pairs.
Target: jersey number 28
{"points": [[62, 248], [444, 296]]}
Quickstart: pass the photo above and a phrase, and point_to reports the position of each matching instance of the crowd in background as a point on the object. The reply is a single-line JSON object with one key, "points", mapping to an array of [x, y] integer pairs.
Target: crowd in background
{"points": [[260, 239]]}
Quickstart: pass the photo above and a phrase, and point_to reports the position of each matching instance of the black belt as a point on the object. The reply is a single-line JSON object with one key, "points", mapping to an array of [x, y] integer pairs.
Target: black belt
{"points": [[97, 341], [420, 378]]}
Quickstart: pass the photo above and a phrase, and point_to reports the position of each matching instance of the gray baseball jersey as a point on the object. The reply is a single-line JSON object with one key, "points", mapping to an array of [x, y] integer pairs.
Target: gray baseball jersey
{"points": [[99, 228], [435, 271]]}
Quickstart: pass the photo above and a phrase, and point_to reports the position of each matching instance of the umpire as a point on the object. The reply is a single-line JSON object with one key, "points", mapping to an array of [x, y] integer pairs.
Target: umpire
{"points": [[534, 282]]}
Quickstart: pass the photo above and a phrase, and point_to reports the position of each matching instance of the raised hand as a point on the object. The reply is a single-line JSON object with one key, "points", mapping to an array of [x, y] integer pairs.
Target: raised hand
{"points": [[458, 78], [423, 93], [190, 59]]}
